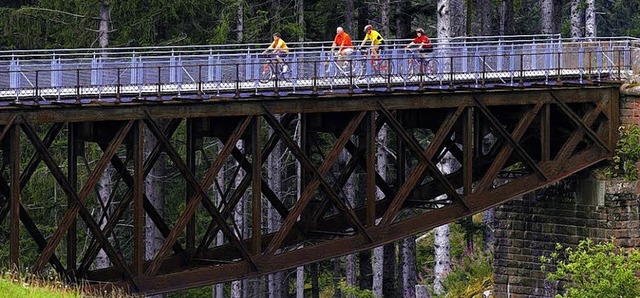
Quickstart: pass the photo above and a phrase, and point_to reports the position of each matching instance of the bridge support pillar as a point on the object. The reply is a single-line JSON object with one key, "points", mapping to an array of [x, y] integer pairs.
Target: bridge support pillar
{"points": [[567, 212]]}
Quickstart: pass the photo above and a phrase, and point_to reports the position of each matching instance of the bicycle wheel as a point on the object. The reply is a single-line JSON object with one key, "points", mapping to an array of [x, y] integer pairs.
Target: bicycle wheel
{"points": [[358, 70], [266, 73], [385, 68], [282, 74], [430, 68], [407, 70]]}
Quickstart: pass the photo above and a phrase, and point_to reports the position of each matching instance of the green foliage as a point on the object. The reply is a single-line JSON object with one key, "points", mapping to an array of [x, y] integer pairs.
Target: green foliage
{"points": [[470, 276], [354, 292], [627, 151], [627, 155], [595, 270]]}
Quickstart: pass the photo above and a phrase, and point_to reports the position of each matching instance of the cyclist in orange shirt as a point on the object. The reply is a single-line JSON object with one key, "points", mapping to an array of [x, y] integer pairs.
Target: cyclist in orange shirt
{"points": [[279, 49], [343, 42]]}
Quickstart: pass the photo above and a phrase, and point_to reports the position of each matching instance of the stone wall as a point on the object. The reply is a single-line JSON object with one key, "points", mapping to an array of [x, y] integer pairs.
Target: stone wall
{"points": [[630, 110], [567, 212]]}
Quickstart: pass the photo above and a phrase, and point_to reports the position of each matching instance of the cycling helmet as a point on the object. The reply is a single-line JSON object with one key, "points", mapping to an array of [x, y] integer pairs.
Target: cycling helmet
{"points": [[420, 30], [277, 34], [367, 28]]}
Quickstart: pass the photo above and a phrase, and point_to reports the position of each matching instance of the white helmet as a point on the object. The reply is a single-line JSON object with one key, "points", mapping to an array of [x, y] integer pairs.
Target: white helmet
{"points": [[367, 28]]}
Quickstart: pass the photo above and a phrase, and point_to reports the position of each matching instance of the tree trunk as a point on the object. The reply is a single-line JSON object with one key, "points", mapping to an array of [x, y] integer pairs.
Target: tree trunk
{"points": [[349, 16], [403, 18], [389, 269], [103, 35], [385, 11], [546, 15], [483, 15], [155, 189], [104, 191], [576, 18], [315, 285], [300, 282], [409, 269], [365, 281], [444, 20], [337, 276], [441, 238], [220, 237], [457, 18], [275, 170], [506, 17], [590, 20], [442, 258], [240, 22], [379, 253], [378, 267], [301, 24], [488, 235], [239, 220]]}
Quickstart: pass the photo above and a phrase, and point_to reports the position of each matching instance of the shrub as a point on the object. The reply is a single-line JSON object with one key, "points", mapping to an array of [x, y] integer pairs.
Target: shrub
{"points": [[595, 270]]}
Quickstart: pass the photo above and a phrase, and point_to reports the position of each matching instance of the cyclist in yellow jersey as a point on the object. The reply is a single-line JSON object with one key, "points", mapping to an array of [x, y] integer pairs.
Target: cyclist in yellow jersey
{"points": [[375, 38], [279, 49]]}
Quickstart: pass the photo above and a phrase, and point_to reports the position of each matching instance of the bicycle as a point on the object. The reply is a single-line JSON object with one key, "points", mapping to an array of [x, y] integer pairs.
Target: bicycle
{"points": [[418, 65], [274, 70], [346, 68], [379, 65]]}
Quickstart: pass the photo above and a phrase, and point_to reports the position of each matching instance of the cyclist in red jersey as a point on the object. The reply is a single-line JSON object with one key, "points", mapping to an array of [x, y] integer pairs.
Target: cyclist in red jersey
{"points": [[423, 42]]}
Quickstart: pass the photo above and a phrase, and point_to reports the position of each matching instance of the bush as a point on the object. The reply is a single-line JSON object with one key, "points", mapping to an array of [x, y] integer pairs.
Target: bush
{"points": [[470, 276], [595, 270]]}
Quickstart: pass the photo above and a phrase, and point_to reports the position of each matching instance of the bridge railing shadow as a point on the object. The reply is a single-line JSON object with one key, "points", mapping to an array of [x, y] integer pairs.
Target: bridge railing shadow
{"points": [[159, 74]]}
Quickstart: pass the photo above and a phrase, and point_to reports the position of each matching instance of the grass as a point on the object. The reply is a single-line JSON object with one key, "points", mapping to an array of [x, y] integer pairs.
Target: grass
{"points": [[13, 285]]}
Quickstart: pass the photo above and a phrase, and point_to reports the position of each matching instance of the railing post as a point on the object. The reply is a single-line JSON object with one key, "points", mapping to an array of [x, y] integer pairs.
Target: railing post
{"points": [[521, 84], [388, 73], [589, 72], [484, 72], [350, 75], [237, 81], [277, 81], [619, 65], [78, 100], [451, 75], [37, 90], [559, 69], [159, 91], [118, 85], [314, 89], [199, 92]]}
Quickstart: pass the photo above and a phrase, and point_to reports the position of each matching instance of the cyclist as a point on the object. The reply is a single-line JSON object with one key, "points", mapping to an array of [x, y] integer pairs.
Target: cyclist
{"points": [[343, 42], [279, 50], [375, 38], [423, 42]]}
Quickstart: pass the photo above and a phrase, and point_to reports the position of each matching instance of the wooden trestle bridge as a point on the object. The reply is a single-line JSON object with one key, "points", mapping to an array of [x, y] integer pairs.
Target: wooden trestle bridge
{"points": [[524, 111]]}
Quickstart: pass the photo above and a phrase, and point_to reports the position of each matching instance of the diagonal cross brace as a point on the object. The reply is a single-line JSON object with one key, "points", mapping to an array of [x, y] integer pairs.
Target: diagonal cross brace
{"points": [[503, 132], [316, 181], [77, 199], [576, 120], [507, 149], [200, 195], [425, 158]]}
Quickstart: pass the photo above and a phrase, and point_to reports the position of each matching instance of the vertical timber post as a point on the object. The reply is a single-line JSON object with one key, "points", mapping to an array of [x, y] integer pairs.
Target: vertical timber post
{"points": [[545, 133], [256, 177], [371, 168], [14, 241], [72, 174], [191, 165], [138, 198], [467, 146]]}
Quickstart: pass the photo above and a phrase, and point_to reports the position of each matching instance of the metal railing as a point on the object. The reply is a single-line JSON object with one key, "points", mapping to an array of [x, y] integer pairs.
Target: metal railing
{"points": [[235, 70]]}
